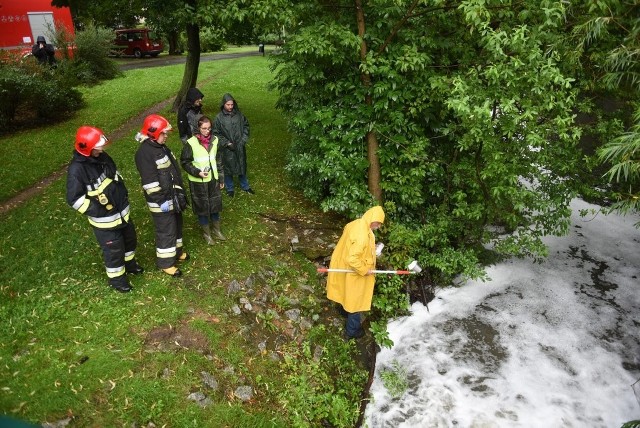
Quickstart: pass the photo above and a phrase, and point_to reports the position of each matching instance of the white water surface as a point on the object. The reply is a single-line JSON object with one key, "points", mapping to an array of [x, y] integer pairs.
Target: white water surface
{"points": [[554, 344]]}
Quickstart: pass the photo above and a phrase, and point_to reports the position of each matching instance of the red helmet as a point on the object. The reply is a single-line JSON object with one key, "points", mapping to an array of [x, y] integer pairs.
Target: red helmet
{"points": [[89, 138], [154, 125]]}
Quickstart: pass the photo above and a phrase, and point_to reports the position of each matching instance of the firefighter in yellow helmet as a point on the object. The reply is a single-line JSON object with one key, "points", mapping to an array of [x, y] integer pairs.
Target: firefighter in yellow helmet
{"points": [[356, 250], [97, 190]]}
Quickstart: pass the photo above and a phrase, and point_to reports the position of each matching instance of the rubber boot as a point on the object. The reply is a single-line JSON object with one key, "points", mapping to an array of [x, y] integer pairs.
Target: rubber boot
{"points": [[173, 271], [206, 233], [216, 231], [120, 283], [133, 267]]}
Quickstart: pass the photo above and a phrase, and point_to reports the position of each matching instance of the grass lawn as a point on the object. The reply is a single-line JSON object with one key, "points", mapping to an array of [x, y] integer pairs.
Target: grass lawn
{"points": [[70, 347]]}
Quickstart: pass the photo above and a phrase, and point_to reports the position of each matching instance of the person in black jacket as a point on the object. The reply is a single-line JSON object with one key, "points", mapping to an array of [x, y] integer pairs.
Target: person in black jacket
{"points": [[97, 190], [189, 113], [163, 189], [43, 51]]}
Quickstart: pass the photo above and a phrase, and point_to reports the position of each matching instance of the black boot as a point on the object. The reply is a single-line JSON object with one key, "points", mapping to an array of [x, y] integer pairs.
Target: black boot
{"points": [[120, 283], [133, 267]]}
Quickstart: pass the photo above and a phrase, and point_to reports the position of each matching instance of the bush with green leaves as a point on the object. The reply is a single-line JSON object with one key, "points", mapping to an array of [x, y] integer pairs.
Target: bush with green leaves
{"points": [[212, 39], [91, 61], [30, 91], [395, 379], [321, 385]]}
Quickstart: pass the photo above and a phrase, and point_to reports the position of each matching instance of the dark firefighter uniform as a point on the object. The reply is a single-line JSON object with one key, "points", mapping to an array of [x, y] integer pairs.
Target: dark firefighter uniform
{"points": [[96, 189], [162, 185]]}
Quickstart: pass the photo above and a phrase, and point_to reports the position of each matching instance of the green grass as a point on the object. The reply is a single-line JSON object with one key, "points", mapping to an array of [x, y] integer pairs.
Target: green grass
{"points": [[69, 345]]}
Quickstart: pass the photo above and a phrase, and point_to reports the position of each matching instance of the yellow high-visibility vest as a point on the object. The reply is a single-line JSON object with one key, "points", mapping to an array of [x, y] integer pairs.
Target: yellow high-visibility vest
{"points": [[203, 159]]}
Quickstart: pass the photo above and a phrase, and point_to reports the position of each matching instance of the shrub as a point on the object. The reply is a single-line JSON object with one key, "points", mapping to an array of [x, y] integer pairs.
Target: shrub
{"points": [[320, 384], [91, 60], [212, 40], [63, 39], [36, 92]]}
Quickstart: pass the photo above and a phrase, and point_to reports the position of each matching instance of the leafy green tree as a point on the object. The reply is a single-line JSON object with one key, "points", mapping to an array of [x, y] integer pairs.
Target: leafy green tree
{"points": [[608, 34], [463, 104], [111, 14], [172, 17]]}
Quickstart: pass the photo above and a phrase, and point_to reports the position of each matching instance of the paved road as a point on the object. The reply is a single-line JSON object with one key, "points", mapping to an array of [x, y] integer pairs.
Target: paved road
{"points": [[130, 64]]}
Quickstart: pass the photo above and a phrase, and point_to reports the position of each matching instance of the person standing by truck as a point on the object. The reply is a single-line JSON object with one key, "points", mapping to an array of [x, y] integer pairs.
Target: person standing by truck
{"points": [[44, 52]]}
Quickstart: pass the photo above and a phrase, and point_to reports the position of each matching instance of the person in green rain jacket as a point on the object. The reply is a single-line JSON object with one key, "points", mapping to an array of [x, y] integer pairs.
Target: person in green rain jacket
{"points": [[231, 127], [356, 250]]}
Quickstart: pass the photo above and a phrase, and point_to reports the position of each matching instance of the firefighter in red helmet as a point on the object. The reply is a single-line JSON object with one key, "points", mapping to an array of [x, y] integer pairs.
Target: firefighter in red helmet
{"points": [[97, 190], [163, 189]]}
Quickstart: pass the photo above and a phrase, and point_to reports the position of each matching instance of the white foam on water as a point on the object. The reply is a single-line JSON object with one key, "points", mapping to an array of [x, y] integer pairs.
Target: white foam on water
{"points": [[552, 344]]}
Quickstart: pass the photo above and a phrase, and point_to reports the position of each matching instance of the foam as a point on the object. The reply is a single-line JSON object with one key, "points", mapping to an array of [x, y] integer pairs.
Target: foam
{"points": [[539, 345]]}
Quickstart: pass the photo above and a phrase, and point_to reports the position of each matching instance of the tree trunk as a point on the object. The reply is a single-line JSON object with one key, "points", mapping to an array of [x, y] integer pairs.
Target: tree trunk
{"points": [[172, 37], [372, 137], [190, 76]]}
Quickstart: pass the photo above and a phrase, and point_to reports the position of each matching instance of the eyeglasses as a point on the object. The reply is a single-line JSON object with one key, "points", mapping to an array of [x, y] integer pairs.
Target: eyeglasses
{"points": [[205, 129]]}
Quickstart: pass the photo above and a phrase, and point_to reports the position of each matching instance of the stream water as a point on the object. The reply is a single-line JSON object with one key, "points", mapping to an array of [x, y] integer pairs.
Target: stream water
{"points": [[552, 344]]}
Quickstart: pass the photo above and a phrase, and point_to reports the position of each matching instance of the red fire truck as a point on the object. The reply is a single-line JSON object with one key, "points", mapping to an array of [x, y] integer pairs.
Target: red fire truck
{"points": [[22, 21]]}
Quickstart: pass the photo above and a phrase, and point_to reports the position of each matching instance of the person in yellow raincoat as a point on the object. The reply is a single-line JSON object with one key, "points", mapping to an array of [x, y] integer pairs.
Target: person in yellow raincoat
{"points": [[356, 250]]}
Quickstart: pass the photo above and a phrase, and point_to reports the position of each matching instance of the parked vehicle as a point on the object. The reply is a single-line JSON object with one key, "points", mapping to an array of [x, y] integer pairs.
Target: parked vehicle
{"points": [[21, 22], [138, 42]]}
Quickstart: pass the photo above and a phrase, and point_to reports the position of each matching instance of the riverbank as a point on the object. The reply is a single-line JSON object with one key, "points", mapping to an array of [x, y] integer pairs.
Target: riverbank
{"points": [[244, 338]]}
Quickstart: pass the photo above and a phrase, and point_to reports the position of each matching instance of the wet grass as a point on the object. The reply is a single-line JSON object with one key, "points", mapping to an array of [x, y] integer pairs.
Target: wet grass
{"points": [[70, 347]]}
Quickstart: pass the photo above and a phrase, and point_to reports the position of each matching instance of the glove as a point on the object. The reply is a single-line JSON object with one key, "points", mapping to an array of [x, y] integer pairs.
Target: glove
{"points": [[164, 207]]}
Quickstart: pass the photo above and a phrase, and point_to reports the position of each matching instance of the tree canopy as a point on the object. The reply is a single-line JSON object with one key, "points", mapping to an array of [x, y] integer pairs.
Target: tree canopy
{"points": [[608, 35], [469, 110]]}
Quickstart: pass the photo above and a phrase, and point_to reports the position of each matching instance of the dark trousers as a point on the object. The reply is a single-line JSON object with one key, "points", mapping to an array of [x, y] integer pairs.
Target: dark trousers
{"points": [[354, 324], [168, 238], [229, 185], [118, 248], [204, 220]]}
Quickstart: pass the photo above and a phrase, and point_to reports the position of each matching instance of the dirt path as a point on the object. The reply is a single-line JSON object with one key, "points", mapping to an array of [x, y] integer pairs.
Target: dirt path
{"points": [[120, 132], [39, 187]]}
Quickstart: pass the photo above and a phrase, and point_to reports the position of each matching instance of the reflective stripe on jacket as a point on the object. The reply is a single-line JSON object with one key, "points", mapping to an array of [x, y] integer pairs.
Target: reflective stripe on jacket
{"points": [[160, 178], [202, 159], [96, 189]]}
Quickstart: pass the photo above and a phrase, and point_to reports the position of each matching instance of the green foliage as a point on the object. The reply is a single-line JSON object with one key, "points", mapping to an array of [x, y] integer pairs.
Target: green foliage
{"points": [[390, 301], [623, 153], [318, 388], [608, 41], [394, 379], [30, 92], [91, 61], [212, 39], [112, 13], [472, 111]]}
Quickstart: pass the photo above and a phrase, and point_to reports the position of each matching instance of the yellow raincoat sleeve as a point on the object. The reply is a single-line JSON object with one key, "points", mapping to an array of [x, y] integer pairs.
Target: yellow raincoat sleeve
{"points": [[356, 251], [359, 250]]}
